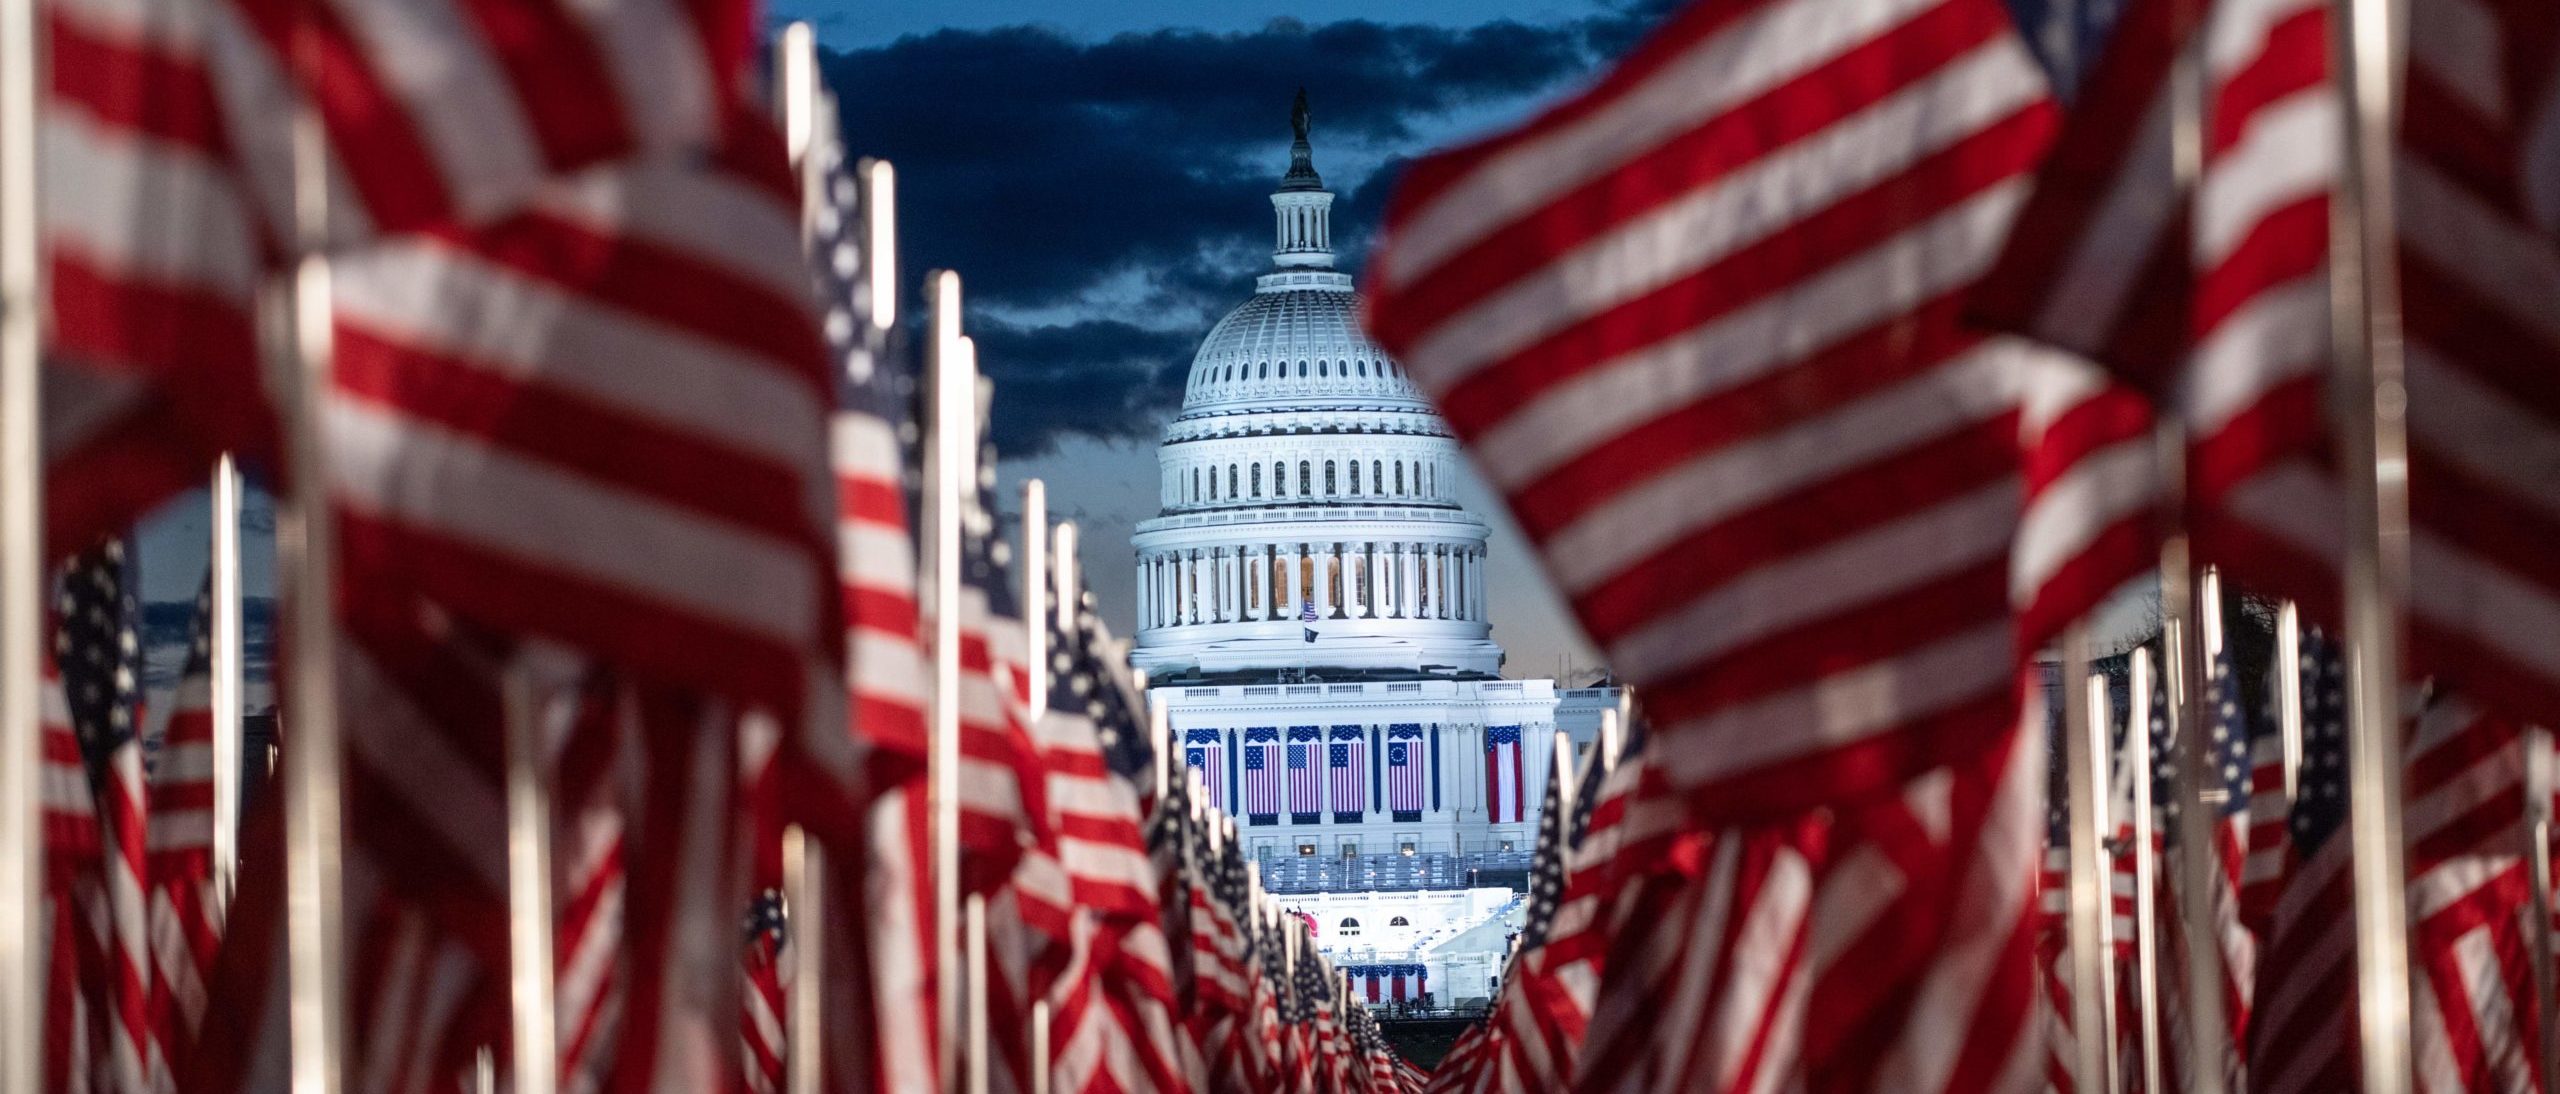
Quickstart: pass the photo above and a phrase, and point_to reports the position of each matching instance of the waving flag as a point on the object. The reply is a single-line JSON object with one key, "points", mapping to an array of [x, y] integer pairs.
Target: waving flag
{"points": [[1700, 325], [186, 923]]}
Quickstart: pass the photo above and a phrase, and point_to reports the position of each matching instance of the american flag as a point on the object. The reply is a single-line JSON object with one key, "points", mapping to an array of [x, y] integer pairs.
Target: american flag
{"points": [[767, 966], [1262, 775], [1347, 765], [1306, 774], [1506, 789], [1537, 1048], [166, 129], [154, 255], [99, 653], [186, 920], [1714, 362], [879, 965], [2245, 258], [533, 423], [2299, 1038], [1405, 761], [2053, 898]]}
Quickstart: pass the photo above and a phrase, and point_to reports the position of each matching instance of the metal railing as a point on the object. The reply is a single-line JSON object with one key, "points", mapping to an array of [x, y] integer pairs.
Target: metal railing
{"points": [[1393, 872]]}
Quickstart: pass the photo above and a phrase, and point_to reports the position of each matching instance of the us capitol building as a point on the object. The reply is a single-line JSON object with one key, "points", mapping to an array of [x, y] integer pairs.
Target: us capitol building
{"points": [[1312, 603]]}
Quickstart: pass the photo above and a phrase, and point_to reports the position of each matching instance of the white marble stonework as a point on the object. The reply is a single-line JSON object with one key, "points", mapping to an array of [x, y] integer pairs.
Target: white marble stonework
{"points": [[1312, 593]]}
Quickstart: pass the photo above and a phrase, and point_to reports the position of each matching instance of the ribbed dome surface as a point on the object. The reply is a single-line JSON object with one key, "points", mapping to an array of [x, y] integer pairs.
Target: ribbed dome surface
{"points": [[1295, 342]]}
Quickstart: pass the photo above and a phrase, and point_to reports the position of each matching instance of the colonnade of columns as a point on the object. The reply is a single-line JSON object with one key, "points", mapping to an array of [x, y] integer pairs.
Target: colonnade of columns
{"points": [[1362, 579]]}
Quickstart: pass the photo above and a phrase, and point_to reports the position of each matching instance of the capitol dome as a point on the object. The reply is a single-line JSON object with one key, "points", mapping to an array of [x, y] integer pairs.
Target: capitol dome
{"points": [[1309, 516]]}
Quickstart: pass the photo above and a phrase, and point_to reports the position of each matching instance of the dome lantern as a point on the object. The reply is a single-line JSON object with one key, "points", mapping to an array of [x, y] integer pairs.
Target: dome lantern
{"points": [[1303, 206]]}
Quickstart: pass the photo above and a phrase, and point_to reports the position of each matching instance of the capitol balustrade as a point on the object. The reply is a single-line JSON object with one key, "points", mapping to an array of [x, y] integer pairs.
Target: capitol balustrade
{"points": [[1394, 872]]}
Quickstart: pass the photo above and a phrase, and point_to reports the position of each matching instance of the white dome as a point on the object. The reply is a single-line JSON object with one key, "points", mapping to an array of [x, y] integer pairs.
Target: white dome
{"points": [[1310, 518], [1296, 341]]}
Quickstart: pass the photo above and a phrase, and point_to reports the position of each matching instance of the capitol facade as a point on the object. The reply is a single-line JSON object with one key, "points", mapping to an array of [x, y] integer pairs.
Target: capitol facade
{"points": [[1312, 600]]}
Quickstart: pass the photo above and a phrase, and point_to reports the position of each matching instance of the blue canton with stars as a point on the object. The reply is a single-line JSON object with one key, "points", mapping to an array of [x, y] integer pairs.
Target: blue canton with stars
{"points": [[2320, 805]]}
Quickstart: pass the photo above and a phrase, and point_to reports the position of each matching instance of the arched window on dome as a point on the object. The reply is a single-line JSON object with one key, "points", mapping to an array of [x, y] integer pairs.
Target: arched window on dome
{"points": [[1398, 921], [1331, 489], [1231, 482], [1377, 476], [1302, 370], [1279, 479], [1195, 484], [1320, 369], [1257, 480], [1355, 476], [1360, 367], [1435, 479], [1306, 481], [1213, 484], [1399, 478]]}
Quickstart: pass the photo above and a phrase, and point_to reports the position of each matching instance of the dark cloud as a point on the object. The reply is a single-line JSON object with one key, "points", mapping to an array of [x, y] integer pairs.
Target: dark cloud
{"points": [[1115, 187], [1098, 377]]}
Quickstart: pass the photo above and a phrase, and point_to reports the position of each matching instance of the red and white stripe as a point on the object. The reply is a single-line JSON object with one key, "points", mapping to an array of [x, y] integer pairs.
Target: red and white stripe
{"points": [[185, 911], [589, 767], [153, 257], [1702, 327], [453, 112], [602, 421], [2478, 270]]}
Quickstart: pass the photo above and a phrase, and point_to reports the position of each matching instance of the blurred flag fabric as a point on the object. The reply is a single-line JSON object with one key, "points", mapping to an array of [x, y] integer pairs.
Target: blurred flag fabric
{"points": [[2216, 303], [1702, 327]]}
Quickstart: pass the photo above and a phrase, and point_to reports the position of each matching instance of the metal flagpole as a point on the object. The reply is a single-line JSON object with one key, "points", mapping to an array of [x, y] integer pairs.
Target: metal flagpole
{"points": [[953, 402], [2084, 748], [22, 569], [974, 916], [1039, 1046], [2289, 694], [529, 923], [228, 675], [804, 882], [2141, 764], [2373, 454], [1612, 741], [306, 546], [1159, 722], [1036, 580], [2537, 812]]}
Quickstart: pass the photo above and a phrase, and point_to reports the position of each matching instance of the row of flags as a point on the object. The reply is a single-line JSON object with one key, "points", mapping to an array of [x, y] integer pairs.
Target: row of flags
{"points": [[1829, 362], [1840, 373], [593, 447]]}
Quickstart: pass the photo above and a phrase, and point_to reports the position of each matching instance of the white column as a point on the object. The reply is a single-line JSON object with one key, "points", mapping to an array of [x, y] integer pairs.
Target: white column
{"points": [[1191, 585], [1408, 598], [1289, 581], [1217, 585], [1254, 586], [1377, 581], [1231, 579], [1440, 581], [1146, 588], [1323, 581], [1484, 593]]}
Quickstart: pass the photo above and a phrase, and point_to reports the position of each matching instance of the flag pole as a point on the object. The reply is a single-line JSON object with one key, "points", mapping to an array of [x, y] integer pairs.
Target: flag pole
{"points": [[1036, 583], [306, 545], [2374, 456], [1039, 1046], [2139, 760], [974, 919], [953, 403], [228, 675], [2289, 694], [22, 584], [2085, 758], [529, 923], [2198, 861]]}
